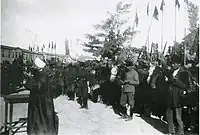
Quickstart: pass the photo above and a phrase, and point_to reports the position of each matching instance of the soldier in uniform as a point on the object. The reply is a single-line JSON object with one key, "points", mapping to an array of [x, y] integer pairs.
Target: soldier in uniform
{"points": [[129, 83], [71, 83], [82, 85]]}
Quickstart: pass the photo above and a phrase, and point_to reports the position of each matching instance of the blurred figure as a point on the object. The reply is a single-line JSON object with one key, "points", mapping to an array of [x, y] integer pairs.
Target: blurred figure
{"points": [[143, 92], [71, 88], [82, 85]]}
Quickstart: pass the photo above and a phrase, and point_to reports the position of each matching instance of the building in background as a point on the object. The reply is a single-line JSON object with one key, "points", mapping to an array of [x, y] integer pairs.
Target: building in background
{"points": [[9, 53]]}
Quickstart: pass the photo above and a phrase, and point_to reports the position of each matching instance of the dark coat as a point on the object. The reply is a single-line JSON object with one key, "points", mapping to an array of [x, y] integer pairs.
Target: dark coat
{"points": [[82, 78], [70, 83], [177, 87], [41, 114], [143, 91]]}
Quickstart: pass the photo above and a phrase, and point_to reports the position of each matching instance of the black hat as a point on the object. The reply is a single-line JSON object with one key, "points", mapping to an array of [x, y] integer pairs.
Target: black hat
{"points": [[129, 63], [176, 59]]}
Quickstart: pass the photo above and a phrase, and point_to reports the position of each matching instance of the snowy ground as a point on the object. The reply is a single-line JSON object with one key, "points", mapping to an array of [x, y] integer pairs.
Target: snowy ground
{"points": [[97, 120]]}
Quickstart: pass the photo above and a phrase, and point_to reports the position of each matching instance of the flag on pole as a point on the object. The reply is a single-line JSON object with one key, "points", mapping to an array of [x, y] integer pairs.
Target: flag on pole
{"points": [[55, 46], [37, 48], [148, 9], [162, 5], [155, 14], [66, 47], [177, 4], [52, 44], [136, 19]]}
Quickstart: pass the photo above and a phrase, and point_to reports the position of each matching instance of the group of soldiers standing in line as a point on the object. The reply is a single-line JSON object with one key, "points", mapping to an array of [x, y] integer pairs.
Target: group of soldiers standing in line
{"points": [[130, 87], [165, 93]]}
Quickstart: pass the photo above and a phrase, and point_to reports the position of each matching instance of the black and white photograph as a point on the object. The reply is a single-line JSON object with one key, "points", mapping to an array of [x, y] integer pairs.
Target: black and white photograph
{"points": [[99, 67]]}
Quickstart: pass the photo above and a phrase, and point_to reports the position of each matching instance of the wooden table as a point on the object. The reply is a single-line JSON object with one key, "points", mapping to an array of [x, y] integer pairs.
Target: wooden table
{"points": [[13, 99]]}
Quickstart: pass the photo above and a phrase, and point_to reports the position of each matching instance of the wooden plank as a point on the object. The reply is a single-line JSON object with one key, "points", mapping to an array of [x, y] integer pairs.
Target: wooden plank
{"points": [[22, 98], [11, 113], [6, 114]]}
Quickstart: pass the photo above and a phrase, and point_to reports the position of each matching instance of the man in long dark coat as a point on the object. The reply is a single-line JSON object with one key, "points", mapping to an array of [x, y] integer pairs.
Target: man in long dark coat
{"points": [[159, 90], [179, 83], [104, 87], [143, 93], [41, 113], [82, 78]]}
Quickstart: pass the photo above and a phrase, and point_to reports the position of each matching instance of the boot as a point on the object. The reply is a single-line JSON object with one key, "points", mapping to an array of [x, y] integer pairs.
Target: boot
{"points": [[124, 113], [73, 96], [79, 101], [85, 103], [131, 112], [131, 115]]}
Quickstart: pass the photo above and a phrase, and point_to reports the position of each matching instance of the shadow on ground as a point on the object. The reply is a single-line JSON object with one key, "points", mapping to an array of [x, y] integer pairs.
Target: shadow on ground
{"points": [[156, 123], [162, 126]]}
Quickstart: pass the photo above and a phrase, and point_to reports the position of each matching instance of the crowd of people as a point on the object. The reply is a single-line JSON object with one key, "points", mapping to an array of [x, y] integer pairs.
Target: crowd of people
{"points": [[170, 87]]}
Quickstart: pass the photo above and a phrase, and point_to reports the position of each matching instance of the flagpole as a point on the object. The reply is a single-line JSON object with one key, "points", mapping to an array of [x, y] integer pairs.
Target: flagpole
{"points": [[185, 36], [175, 21], [162, 32], [148, 32], [132, 35], [148, 44], [55, 50], [48, 47]]}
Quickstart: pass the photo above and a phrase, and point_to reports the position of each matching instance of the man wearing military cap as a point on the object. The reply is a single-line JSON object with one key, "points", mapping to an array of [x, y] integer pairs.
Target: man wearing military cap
{"points": [[127, 96]]}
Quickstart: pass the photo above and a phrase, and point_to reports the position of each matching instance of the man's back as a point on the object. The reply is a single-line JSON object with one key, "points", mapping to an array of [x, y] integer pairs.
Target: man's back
{"points": [[132, 79]]}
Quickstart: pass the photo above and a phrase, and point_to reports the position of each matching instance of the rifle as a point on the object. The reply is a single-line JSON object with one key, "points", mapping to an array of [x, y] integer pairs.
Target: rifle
{"points": [[164, 48], [139, 54]]}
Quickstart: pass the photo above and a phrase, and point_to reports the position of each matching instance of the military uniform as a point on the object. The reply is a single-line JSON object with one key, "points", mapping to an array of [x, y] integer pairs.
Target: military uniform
{"points": [[130, 81], [82, 86], [71, 87]]}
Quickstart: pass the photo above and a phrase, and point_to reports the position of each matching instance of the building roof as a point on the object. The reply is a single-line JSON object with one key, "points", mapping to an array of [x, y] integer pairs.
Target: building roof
{"points": [[28, 51], [10, 47]]}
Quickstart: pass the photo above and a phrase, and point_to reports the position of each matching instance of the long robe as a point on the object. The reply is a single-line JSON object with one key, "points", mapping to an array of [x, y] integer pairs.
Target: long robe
{"points": [[41, 114]]}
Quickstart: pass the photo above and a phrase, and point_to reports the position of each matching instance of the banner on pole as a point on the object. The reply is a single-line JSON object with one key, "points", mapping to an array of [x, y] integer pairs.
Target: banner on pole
{"points": [[177, 4], [162, 5], [136, 19], [148, 9], [155, 13]]}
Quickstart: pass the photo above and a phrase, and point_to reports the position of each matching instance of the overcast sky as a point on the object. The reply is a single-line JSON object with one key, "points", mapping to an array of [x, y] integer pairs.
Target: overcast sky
{"points": [[28, 22]]}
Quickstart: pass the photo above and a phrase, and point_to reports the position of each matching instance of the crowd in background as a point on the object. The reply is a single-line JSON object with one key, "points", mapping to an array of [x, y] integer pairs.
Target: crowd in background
{"points": [[81, 81]]}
